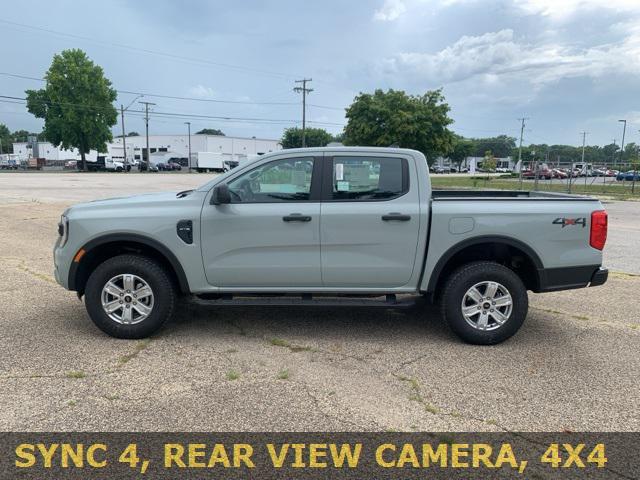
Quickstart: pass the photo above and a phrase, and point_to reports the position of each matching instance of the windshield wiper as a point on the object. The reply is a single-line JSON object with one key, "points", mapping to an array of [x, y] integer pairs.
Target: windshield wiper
{"points": [[184, 193]]}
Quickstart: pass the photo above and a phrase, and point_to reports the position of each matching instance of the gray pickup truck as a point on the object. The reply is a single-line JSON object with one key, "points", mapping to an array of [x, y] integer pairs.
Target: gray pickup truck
{"points": [[345, 226]]}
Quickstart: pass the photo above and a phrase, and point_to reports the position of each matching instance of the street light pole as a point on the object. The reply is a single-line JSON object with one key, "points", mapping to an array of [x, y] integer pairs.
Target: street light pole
{"points": [[188, 124], [124, 135], [624, 129], [523, 119]]}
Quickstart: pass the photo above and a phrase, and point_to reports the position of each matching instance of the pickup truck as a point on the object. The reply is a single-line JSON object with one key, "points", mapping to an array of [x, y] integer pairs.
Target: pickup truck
{"points": [[352, 226]]}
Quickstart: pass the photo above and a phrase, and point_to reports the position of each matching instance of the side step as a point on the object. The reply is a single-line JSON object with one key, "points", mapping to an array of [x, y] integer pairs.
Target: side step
{"points": [[306, 300]]}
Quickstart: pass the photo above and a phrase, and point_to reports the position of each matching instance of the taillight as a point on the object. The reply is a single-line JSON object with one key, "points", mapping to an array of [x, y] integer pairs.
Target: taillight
{"points": [[598, 235]]}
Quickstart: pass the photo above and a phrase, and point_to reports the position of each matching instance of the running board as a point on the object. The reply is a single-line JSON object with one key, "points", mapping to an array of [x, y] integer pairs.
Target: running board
{"points": [[306, 300]]}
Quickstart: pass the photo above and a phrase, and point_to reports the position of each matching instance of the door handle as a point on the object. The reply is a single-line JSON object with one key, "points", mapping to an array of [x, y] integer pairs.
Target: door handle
{"points": [[296, 217], [398, 217]]}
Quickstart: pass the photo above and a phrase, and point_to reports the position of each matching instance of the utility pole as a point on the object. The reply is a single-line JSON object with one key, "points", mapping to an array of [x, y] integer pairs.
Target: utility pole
{"points": [[188, 124], [304, 90], [520, 148], [624, 129], [146, 122], [124, 142]]}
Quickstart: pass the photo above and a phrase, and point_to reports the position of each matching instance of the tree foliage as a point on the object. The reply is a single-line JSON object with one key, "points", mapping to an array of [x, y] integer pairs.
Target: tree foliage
{"points": [[76, 103], [462, 148], [7, 139], [210, 131], [395, 118], [500, 146], [314, 137]]}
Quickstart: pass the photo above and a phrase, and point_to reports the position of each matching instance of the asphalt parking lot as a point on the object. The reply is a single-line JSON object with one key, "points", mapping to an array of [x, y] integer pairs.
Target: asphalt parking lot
{"points": [[574, 366]]}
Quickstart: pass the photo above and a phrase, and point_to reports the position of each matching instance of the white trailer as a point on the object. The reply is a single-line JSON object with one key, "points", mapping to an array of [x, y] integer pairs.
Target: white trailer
{"points": [[210, 162]]}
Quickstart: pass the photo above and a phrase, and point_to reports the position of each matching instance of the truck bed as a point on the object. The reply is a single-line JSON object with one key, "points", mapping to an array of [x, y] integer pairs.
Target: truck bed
{"points": [[504, 194]]}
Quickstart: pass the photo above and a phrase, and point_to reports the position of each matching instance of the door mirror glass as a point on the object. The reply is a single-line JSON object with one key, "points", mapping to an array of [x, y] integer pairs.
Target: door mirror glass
{"points": [[221, 195]]}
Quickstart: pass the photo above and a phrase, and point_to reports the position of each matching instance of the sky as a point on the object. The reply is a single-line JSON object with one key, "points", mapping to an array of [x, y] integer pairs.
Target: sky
{"points": [[567, 65]]}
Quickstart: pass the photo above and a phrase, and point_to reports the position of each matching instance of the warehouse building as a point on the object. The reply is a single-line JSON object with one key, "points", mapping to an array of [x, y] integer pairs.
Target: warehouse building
{"points": [[232, 148]]}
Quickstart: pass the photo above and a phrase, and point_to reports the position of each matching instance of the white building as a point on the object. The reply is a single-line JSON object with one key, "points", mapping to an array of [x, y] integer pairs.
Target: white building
{"points": [[233, 148]]}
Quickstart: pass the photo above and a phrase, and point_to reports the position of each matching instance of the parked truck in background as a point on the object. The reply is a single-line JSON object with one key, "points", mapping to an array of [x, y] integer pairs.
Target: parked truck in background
{"points": [[210, 162], [329, 226]]}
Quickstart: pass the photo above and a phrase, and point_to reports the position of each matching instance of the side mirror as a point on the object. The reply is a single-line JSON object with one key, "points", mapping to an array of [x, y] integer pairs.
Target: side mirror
{"points": [[221, 195]]}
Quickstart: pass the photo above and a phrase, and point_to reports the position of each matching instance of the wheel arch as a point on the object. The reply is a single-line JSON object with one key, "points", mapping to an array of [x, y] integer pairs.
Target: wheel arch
{"points": [[509, 251], [107, 246]]}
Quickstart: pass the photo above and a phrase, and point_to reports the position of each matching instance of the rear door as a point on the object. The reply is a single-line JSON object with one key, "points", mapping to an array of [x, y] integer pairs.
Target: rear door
{"points": [[370, 221]]}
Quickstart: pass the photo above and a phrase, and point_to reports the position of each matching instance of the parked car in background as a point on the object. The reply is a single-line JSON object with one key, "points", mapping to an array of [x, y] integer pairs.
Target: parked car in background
{"points": [[542, 173], [439, 170], [71, 165], [559, 173], [503, 170], [629, 176], [174, 165]]}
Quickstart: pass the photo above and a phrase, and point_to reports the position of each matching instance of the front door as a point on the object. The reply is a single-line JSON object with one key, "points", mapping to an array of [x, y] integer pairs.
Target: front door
{"points": [[269, 236], [370, 221]]}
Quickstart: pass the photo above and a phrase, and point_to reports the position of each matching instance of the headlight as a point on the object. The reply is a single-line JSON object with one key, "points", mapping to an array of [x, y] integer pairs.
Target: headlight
{"points": [[63, 230]]}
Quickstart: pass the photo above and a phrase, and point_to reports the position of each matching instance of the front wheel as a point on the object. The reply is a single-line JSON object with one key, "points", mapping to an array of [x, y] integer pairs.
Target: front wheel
{"points": [[484, 303], [130, 296]]}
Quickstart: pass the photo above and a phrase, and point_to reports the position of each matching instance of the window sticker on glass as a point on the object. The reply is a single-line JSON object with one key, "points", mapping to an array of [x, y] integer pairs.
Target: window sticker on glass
{"points": [[339, 171], [343, 186]]}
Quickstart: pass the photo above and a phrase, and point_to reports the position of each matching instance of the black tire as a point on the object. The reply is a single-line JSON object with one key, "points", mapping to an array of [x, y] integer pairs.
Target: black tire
{"points": [[462, 280], [164, 295]]}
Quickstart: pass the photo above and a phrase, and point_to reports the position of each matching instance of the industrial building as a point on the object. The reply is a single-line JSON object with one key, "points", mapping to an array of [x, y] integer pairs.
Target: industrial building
{"points": [[232, 148]]}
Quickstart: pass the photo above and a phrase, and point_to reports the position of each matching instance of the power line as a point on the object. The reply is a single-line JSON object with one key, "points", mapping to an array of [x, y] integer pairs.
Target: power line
{"points": [[178, 97], [148, 51], [22, 101]]}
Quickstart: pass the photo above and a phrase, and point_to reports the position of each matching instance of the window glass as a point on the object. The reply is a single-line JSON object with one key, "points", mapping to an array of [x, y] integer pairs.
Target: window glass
{"points": [[277, 181], [369, 178]]}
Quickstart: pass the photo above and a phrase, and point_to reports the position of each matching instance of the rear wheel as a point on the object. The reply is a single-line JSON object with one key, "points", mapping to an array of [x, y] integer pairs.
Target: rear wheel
{"points": [[130, 296], [484, 303]]}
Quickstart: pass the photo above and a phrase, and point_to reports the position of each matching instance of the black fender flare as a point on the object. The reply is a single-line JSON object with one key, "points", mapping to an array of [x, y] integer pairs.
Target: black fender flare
{"points": [[183, 283], [469, 242]]}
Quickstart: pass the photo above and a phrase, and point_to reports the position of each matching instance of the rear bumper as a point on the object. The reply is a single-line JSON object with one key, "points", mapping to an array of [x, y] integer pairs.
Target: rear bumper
{"points": [[554, 279], [599, 277]]}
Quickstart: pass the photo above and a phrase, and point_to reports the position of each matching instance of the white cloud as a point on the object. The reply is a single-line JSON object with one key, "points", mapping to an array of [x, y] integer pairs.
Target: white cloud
{"points": [[500, 56], [390, 10], [200, 91], [562, 9]]}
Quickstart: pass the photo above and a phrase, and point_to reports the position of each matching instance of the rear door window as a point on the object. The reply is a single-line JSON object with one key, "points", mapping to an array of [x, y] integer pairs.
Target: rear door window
{"points": [[368, 178]]}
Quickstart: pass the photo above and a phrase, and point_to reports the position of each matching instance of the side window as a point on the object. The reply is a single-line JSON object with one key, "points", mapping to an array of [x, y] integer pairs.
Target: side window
{"points": [[369, 178], [277, 181]]}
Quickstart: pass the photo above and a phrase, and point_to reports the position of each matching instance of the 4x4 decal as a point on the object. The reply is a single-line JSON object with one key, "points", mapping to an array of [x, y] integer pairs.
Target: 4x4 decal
{"points": [[565, 222]]}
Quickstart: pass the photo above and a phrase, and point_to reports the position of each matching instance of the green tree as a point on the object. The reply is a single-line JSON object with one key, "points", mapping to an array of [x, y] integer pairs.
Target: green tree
{"points": [[6, 140], [395, 118], [76, 104], [462, 148], [133, 134], [210, 131], [314, 137], [501, 146], [489, 162]]}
